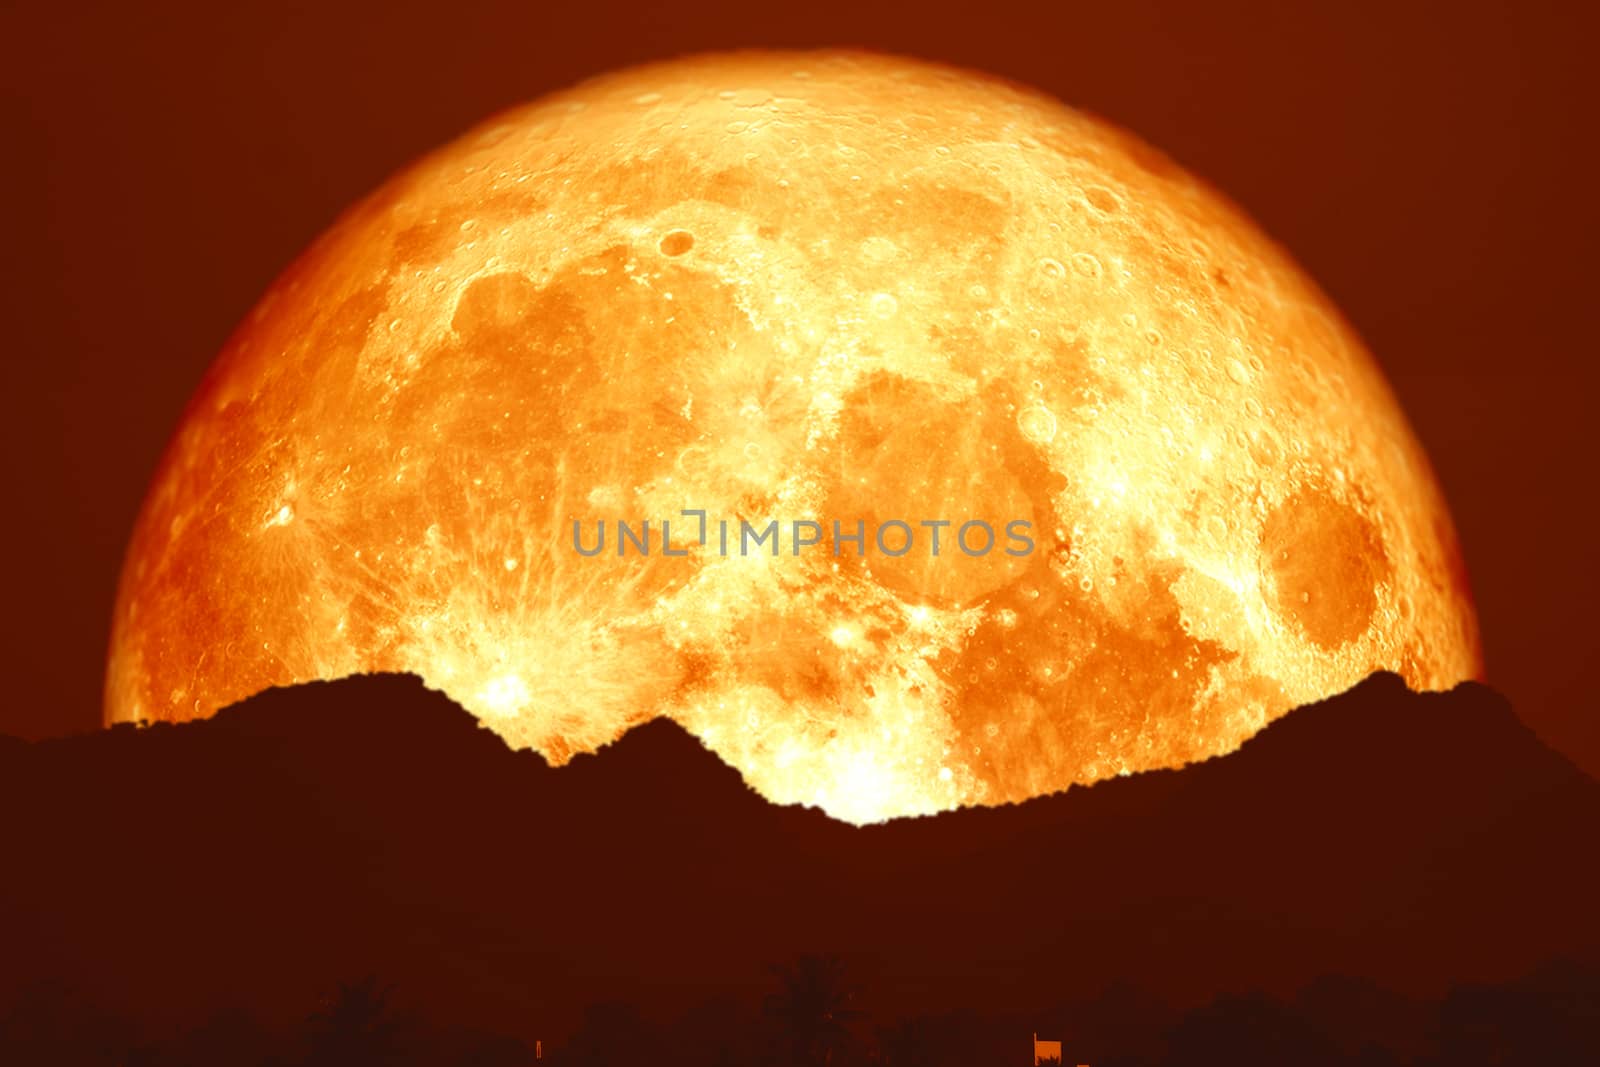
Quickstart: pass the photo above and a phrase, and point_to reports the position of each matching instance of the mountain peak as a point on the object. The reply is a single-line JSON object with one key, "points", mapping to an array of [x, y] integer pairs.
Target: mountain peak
{"points": [[1381, 722], [358, 826]]}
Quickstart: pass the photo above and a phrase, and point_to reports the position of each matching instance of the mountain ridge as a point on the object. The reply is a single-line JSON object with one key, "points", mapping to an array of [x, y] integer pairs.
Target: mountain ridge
{"points": [[371, 825], [253, 715]]}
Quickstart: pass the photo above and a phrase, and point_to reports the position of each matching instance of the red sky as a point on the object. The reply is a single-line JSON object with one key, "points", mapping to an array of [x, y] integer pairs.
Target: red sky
{"points": [[1429, 164]]}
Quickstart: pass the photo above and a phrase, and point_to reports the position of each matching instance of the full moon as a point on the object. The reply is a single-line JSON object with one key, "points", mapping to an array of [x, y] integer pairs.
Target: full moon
{"points": [[943, 446]]}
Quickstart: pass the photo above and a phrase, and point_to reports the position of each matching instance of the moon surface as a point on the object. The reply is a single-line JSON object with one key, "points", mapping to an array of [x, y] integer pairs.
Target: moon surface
{"points": [[816, 290]]}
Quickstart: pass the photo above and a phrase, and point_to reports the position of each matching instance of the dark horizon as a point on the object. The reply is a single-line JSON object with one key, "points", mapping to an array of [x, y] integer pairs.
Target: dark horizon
{"points": [[804, 1012], [313, 835]]}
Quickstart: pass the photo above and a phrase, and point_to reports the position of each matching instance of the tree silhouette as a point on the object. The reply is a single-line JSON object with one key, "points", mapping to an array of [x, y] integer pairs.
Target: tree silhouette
{"points": [[1549, 1016], [357, 1025], [720, 1032], [950, 1039], [814, 1008], [1252, 1028], [913, 1043]]}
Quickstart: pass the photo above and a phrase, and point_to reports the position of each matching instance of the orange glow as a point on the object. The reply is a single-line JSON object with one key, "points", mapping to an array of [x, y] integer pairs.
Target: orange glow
{"points": [[800, 286]]}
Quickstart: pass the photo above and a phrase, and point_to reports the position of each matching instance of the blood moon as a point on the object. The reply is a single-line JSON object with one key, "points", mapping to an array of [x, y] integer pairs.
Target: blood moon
{"points": [[816, 285]]}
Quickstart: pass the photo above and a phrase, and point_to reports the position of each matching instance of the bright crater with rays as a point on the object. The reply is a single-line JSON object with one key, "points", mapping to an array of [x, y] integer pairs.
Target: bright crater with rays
{"points": [[801, 286]]}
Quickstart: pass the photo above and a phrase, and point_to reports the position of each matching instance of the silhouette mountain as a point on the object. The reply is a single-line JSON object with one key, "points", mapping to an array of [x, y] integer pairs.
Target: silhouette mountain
{"points": [[371, 826]]}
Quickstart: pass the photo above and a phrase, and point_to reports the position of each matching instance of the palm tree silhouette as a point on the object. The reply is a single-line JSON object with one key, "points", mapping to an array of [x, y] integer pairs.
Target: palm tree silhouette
{"points": [[814, 1007]]}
